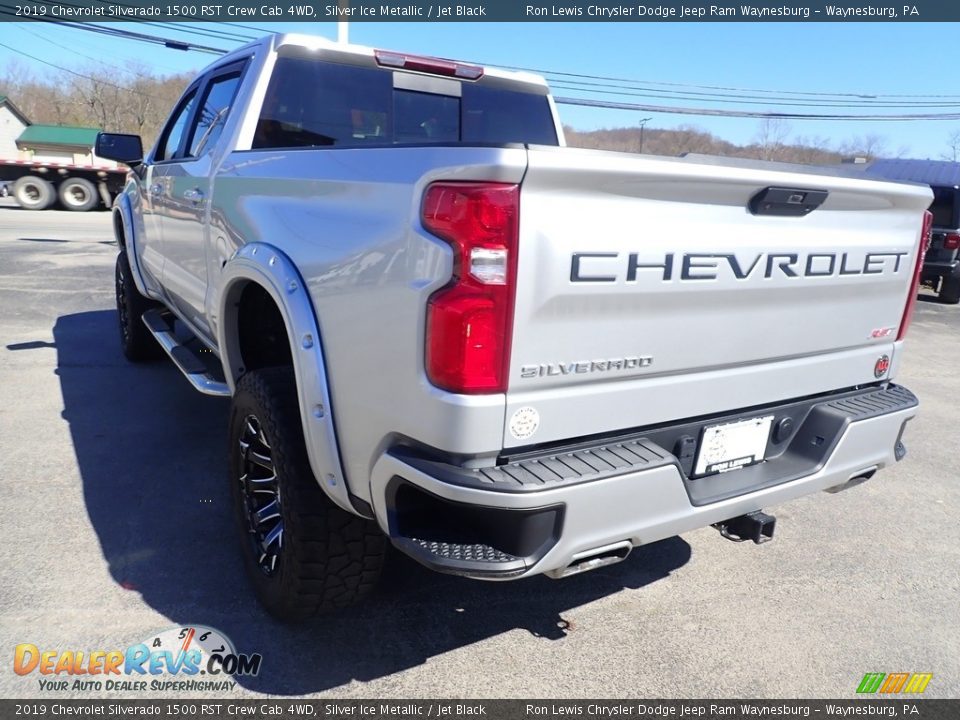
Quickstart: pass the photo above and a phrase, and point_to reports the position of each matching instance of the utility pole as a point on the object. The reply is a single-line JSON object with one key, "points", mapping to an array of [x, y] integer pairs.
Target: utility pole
{"points": [[343, 26], [643, 122]]}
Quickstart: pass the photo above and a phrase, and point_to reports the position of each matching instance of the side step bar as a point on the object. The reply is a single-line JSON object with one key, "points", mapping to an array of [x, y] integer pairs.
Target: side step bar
{"points": [[192, 367]]}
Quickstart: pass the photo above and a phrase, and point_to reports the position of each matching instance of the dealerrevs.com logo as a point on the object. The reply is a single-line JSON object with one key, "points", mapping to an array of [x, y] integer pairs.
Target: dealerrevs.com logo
{"points": [[193, 658], [892, 683]]}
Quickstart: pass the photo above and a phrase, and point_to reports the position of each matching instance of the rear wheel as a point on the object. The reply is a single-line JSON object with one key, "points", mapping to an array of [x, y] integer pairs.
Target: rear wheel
{"points": [[34, 193], [950, 291], [136, 342], [303, 554], [78, 194]]}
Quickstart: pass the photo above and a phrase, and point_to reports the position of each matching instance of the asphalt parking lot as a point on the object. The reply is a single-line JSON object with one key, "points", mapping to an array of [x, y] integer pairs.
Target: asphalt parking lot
{"points": [[116, 524]]}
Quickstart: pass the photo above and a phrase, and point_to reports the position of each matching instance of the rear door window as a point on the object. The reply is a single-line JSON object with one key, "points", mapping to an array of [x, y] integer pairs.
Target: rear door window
{"points": [[312, 103]]}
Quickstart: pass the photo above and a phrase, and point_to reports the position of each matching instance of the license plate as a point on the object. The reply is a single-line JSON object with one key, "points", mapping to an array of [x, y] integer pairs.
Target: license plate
{"points": [[733, 446]]}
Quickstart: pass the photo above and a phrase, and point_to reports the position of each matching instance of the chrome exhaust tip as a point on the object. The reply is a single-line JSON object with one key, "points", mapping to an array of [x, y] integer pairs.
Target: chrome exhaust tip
{"points": [[593, 559]]}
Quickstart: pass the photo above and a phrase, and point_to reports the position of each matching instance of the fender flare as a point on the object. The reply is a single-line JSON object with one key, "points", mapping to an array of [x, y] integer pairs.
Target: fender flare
{"points": [[269, 268], [122, 207]]}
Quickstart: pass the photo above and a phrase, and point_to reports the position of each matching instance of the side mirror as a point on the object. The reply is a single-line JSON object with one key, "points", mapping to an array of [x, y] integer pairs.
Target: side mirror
{"points": [[127, 149]]}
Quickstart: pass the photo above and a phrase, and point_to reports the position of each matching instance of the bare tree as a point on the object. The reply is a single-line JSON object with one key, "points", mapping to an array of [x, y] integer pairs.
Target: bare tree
{"points": [[771, 138], [953, 147], [685, 139], [131, 100], [811, 151], [870, 146]]}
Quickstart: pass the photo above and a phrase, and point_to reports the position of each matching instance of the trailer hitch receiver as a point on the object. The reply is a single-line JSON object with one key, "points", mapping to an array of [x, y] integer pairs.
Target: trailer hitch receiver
{"points": [[756, 526]]}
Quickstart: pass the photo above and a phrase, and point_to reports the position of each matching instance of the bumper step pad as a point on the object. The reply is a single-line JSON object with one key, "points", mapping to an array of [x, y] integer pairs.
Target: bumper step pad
{"points": [[473, 560]]}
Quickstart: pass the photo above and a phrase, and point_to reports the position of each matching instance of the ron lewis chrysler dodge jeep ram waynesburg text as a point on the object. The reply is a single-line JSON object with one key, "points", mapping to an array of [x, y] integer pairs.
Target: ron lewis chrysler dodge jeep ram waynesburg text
{"points": [[442, 329]]}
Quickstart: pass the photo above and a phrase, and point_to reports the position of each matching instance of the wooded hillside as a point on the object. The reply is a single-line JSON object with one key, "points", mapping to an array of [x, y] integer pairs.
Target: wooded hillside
{"points": [[133, 100]]}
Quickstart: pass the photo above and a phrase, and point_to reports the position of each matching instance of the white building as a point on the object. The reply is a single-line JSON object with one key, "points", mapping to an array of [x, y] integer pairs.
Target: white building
{"points": [[12, 124]]}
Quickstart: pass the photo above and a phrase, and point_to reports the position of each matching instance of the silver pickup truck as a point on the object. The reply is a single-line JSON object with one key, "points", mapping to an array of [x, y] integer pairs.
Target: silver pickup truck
{"points": [[443, 330]]}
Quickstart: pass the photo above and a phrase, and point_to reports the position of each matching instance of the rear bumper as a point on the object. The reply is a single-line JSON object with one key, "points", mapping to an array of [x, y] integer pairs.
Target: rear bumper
{"points": [[476, 523]]}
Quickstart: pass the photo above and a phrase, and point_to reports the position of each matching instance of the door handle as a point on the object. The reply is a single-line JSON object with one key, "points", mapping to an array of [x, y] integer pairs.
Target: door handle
{"points": [[156, 189], [195, 196]]}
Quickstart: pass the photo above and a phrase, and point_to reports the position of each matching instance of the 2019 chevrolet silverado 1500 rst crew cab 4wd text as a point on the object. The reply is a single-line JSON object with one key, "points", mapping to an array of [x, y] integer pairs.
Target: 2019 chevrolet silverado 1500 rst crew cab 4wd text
{"points": [[441, 329]]}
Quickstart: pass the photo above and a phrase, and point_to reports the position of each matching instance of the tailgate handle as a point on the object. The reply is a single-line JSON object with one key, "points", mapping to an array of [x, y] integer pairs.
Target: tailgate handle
{"points": [[786, 202]]}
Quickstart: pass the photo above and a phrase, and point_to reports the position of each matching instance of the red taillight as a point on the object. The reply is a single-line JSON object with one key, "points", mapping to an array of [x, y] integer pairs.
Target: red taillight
{"points": [[951, 241], [436, 66], [922, 244], [469, 321]]}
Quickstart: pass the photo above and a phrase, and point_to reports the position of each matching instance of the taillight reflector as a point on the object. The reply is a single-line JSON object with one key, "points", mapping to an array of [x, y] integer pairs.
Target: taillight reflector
{"points": [[469, 321], [951, 241], [922, 244], [435, 66]]}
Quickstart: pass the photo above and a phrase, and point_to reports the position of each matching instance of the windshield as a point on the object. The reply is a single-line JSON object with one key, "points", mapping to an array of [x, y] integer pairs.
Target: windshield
{"points": [[312, 103]]}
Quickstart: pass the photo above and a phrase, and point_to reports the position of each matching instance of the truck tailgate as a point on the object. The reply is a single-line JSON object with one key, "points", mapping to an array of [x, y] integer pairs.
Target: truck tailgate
{"points": [[648, 291]]}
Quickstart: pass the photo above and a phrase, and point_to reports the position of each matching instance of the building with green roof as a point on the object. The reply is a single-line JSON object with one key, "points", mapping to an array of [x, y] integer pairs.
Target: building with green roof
{"points": [[61, 137]]}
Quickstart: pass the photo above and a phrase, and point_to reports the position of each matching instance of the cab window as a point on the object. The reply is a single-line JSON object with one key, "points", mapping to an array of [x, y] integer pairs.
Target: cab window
{"points": [[212, 115]]}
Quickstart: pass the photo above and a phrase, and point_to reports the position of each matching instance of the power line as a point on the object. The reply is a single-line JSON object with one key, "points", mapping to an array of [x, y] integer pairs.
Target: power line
{"points": [[747, 113], [737, 101], [188, 29], [81, 75], [142, 37], [128, 34], [585, 86], [88, 57], [863, 95], [222, 34], [793, 98]]}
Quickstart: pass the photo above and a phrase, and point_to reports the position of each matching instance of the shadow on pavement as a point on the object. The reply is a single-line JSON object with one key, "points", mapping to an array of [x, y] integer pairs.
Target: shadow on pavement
{"points": [[152, 455]]}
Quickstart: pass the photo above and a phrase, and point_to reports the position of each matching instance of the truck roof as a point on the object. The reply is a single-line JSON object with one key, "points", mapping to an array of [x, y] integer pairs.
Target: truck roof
{"points": [[929, 172]]}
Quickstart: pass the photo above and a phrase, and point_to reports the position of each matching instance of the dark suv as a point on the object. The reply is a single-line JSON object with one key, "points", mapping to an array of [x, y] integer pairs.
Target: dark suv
{"points": [[941, 269]]}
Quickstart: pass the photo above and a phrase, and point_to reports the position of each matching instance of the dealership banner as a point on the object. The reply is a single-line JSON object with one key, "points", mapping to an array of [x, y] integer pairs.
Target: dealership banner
{"points": [[291, 709], [477, 10]]}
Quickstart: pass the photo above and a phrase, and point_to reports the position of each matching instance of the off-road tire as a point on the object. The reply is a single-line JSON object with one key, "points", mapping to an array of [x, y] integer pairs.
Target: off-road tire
{"points": [[136, 342], [34, 193], [950, 291], [327, 558], [78, 194]]}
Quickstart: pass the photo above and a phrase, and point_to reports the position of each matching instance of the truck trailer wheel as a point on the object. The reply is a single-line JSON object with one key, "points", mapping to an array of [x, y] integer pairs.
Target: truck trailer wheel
{"points": [[78, 194], [34, 193], [950, 291], [303, 554], [136, 342]]}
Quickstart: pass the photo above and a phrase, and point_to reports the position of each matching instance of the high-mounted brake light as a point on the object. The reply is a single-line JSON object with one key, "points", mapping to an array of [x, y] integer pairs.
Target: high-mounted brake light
{"points": [[951, 241], [922, 244], [436, 66], [470, 320]]}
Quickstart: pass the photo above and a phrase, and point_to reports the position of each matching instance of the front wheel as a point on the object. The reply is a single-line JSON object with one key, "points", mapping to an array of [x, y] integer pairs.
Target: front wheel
{"points": [[136, 342], [303, 554]]}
